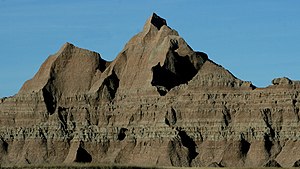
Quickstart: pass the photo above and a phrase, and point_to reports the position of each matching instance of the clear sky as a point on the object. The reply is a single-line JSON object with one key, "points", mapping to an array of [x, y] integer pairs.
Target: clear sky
{"points": [[257, 40]]}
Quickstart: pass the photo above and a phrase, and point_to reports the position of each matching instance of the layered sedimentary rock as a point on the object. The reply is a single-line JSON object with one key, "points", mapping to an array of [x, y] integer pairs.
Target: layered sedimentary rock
{"points": [[158, 103]]}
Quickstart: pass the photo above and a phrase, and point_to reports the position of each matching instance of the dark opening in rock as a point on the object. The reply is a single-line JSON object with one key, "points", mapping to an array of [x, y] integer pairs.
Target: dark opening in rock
{"points": [[294, 101], [4, 145], [244, 146], [122, 134], [49, 99], [111, 84], [176, 70], [297, 163], [27, 161], [189, 143], [167, 122], [82, 156], [268, 143]]}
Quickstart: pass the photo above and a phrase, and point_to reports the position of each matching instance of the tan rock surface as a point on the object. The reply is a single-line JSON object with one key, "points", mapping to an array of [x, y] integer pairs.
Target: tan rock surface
{"points": [[158, 103]]}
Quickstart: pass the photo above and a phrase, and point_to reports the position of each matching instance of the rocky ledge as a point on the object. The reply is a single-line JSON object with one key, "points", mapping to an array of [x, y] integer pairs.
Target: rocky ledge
{"points": [[159, 103]]}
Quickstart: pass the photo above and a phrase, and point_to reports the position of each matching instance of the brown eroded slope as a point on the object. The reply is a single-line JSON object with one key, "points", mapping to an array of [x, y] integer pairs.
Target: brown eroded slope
{"points": [[158, 103]]}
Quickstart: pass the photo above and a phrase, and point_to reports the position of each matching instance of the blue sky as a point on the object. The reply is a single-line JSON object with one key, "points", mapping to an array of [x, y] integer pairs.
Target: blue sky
{"points": [[256, 40]]}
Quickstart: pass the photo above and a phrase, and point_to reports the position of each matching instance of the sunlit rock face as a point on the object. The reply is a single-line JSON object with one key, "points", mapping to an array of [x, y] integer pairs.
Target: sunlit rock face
{"points": [[159, 103]]}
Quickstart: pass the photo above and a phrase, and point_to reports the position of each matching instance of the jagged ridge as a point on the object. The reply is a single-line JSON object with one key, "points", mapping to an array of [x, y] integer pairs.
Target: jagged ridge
{"points": [[158, 103]]}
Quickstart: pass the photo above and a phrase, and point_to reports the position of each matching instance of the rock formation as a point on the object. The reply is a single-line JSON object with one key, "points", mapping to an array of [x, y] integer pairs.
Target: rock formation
{"points": [[158, 103]]}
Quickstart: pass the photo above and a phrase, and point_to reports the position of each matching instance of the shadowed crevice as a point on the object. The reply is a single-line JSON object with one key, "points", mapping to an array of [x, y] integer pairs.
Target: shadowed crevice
{"points": [[122, 134], [82, 156], [297, 163], [269, 136], [49, 99], [63, 117], [266, 114], [268, 143], [272, 163], [171, 117], [244, 146], [4, 145], [110, 86], [176, 70], [226, 119], [189, 143]]}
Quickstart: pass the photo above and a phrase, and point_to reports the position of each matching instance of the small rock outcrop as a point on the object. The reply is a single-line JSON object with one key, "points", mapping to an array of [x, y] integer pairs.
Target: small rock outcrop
{"points": [[159, 103], [282, 81]]}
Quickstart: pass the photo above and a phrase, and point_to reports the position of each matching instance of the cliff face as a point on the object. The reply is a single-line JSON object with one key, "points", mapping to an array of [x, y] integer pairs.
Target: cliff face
{"points": [[158, 103]]}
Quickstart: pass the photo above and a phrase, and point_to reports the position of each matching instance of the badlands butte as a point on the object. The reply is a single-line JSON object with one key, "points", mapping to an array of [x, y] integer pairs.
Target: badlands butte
{"points": [[159, 103]]}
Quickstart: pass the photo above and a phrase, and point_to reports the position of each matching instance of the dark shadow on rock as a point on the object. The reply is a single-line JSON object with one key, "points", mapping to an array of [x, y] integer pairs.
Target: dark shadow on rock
{"points": [[176, 70], [49, 99], [297, 163], [111, 85], [63, 116], [4, 145], [170, 117], [122, 134], [268, 143], [272, 163], [157, 21], [244, 146], [189, 143], [82, 156], [226, 119]]}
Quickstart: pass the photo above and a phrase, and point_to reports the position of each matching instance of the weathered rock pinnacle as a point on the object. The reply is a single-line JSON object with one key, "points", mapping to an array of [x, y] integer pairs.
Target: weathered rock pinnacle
{"points": [[157, 21]]}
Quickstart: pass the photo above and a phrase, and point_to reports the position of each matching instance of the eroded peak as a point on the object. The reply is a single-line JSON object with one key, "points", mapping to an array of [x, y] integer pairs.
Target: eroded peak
{"points": [[65, 47], [156, 21]]}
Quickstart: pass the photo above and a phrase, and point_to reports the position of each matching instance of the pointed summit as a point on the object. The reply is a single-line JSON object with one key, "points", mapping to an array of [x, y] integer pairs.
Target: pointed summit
{"points": [[156, 21], [65, 47]]}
